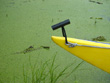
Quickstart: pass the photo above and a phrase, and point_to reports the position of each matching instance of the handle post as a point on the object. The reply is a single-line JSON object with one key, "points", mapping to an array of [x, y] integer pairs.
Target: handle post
{"points": [[61, 25]]}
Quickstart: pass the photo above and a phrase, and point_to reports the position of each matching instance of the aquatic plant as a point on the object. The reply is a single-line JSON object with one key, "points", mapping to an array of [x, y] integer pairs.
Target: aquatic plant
{"points": [[95, 2], [99, 38], [47, 72], [32, 48]]}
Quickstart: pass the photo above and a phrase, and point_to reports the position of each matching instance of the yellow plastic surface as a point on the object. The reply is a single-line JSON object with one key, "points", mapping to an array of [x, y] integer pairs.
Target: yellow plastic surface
{"points": [[99, 57]]}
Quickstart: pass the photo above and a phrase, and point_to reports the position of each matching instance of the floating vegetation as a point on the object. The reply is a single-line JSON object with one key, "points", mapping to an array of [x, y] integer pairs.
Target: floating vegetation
{"points": [[99, 3], [60, 10], [96, 18], [99, 18], [91, 17], [45, 47], [99, 38], [95, 2], [95, 22], [6, 15], [31, 48]]}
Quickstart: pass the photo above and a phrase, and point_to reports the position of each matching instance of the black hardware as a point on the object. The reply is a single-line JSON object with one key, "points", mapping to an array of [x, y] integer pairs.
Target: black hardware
{"points": [[62, 24]]}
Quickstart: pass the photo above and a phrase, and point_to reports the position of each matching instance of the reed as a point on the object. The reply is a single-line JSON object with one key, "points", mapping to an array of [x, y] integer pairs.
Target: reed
{"points": [[47, 72]]}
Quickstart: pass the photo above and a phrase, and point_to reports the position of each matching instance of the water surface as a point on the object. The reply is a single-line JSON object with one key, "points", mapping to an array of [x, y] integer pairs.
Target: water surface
{"points": [[25, 23]]}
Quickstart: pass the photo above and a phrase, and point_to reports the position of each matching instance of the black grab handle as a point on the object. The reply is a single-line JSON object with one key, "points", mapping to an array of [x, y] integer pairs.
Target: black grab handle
{"points": [[61, 24]]}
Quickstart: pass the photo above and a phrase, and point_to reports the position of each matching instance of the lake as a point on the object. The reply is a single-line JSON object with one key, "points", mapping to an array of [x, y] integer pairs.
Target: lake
{"points": [[27, 23]]}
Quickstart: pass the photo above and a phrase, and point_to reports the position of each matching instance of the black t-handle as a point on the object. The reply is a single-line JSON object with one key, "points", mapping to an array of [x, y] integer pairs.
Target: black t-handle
{"points": [[61, 24]]}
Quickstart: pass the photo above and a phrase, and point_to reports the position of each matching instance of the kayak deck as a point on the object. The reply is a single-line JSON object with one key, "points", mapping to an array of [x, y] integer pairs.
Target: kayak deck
{"points": [[96, 53]]}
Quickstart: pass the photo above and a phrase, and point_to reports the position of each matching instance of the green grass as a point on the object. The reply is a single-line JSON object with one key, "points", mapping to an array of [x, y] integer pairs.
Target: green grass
{"points": [[47, 72]]}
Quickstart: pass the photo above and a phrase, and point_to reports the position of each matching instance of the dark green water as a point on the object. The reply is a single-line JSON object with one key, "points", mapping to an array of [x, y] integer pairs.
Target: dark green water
{"points": [[25, 23]]}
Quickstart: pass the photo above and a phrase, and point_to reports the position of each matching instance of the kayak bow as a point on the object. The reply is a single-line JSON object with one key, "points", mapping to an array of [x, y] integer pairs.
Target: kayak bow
{"points": [[95, 53]]}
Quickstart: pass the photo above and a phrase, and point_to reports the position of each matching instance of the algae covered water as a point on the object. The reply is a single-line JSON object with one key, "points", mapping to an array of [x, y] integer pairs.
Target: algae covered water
{"points": [[25, 25]]}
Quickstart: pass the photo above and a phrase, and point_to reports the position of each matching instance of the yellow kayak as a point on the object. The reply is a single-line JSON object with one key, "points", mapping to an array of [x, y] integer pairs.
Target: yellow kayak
{"points": [[95, 53]]}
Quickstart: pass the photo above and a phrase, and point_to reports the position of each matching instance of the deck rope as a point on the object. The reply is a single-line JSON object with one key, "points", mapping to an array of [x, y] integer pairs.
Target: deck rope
{"points": [[75, 44]]}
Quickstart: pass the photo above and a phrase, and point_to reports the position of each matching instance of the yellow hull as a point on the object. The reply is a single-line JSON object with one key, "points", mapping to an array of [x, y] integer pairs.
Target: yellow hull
{"points": [[89, 51]]}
